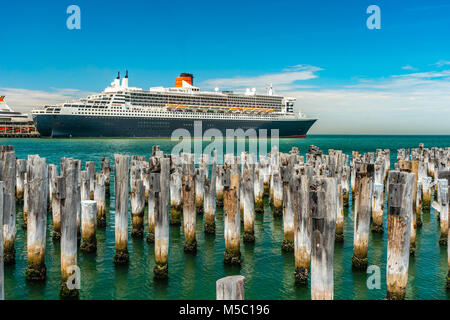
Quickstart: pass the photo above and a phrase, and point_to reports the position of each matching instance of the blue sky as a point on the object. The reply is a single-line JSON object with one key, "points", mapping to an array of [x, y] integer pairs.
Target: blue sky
{"points": [[355, 80]]}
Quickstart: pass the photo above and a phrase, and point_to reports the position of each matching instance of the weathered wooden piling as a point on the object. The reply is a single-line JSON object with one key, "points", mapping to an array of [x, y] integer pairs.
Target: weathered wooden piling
{"points": [[137, 201], [443, 214], [259, 188], [322, 202], [248, 182], [100, 198], [189, 208], [300, 189], [411, 166], [69, 203], [230, 288], [400, 206], [199, 181], [21, 172], [426, 193], [2, 286], [37, 184], [210, 202], [175, 196], [363, 212], [88, 226], [154, 166], [345, 186], [448, 261], [8, 176], [161, 269], [106, 170], [85, 186], [219, 186], [121, 182], [277, 194], [232, 218], [287, 162], [378, 197], [90, 169]]}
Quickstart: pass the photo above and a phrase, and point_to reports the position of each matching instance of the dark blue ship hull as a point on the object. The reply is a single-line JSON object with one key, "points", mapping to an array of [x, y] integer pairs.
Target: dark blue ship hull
{"points": [[66, 126]]}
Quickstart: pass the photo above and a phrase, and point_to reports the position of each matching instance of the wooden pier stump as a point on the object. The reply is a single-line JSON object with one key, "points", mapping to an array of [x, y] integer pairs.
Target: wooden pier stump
{"points": [[100, 198], [37, 173], [21, 172], [137, 201], [259, 188], [69, 203], [322, 202], [288, 204], [412, 167], [277, 194], [175, 196], [85, 186], [189, 208], [88, 226], [8, 176], [300, 188], [248, 201], [230, 288], [219, 186], [426, 193], [400, 206], [363, 212], [377, 208], [90, 168], [210, 197], [199, 182], [106, 170], [443, 208], [232, 218], [121, 182], [161, 269]]}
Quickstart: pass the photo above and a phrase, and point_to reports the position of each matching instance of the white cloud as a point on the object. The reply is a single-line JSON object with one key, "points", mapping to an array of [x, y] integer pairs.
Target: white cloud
{"points": [[24, 100], [442, 63], [408, 67], [285, 79]]}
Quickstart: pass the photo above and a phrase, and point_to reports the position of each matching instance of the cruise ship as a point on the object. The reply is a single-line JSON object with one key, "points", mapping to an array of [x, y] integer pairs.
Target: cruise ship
{"points": [[15, 124], [121, 111]]}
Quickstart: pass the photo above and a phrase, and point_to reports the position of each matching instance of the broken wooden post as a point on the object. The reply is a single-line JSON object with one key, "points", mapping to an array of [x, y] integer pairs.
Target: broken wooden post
{"points": [[90, 169], [426, 193], [175, 196], [363, 212], [230, 288], [21, 171], [248, 200], [106, 170], [189, 209], [121, 182], [85, 186], [137, 201], [378, 197], [219, 186], [288, 204], [8, 176], [412, 167], [232, 218], [37, 173], [277, 194], [259, 188], [69, 203], [322, 202], [210, 197], [88, 226], [345, 186], [154, 166], [100, 198], [199, 181], [443, 208], [300, 188], [2, 286], [400, 203], [161, 269]]}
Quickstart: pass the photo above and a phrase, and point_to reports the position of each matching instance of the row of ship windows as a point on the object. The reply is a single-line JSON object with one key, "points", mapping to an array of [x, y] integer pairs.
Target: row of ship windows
{"points": [[165, 115]]}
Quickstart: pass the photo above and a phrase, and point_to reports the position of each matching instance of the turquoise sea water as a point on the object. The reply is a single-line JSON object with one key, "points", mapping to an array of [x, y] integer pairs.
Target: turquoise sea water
{"points": [[269, 272]]}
